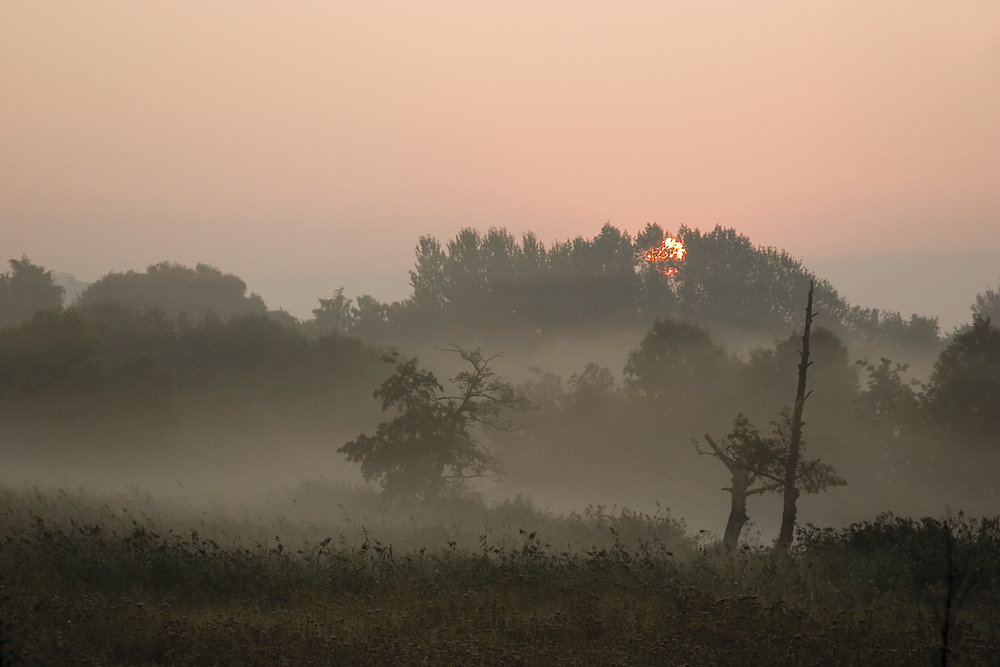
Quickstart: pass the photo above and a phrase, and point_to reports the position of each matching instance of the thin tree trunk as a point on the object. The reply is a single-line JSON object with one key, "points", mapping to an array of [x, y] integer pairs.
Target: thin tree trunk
{"points": [[791, 492]]}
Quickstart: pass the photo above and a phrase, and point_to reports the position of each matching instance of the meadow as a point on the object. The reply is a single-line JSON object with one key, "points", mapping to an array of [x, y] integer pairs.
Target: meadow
{"points": [[345, 578]]}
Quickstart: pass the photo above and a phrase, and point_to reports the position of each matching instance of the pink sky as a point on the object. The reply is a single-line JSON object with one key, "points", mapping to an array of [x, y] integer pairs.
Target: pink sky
{"points": [[306, 145]]}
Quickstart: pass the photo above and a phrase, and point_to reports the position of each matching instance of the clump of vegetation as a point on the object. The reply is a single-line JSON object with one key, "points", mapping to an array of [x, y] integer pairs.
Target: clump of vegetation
{"points": [[108, 589], [429, 444]]}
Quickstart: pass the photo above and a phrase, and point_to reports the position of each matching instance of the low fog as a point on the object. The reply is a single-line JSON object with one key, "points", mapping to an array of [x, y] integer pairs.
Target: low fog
{"points": [[181, 383]]}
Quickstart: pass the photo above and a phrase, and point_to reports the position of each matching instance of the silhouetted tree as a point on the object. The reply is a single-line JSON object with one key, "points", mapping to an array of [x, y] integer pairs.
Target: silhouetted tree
{"points": [[26, 289], [531, 275], [465, 287], [430, 442], [428, 278], [987, 304], [500, 253], [757, 465], [335, 315]]}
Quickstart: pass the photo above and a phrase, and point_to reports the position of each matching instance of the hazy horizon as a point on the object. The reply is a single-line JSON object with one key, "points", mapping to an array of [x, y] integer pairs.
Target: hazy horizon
{"points": [[307, 146], [928, 283]]}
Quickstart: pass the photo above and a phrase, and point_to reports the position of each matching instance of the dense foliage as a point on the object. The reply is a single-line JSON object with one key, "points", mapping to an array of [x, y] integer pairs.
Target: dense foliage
{"points": [[963, 394], [483, 283], [25, 289], [429, 441], [493, 285], [106, 380], [177, 291], [987, 304]]}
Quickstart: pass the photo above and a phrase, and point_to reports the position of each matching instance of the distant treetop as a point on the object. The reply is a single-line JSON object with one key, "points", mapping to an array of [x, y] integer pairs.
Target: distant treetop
{"points": [[178, 291], [26, 289], [494, 282]]}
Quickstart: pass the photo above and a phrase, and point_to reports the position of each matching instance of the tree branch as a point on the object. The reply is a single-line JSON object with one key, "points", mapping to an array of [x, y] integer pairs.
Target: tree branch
{"points": [[721, 455]]}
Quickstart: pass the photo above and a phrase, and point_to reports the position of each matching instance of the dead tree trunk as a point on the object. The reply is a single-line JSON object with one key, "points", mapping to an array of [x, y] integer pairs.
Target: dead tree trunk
{"points": [[791, 491]]}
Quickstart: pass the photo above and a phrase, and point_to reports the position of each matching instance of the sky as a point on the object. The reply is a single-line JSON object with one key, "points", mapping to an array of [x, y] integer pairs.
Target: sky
{"points": [[307, 145]]}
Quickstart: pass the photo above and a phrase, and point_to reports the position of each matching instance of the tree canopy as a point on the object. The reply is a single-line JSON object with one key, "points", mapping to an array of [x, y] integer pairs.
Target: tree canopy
{"points": [[178, 291], [430, 442], [987, 304], [26, 289], [963, 394], [493, 283], [677, 358]]}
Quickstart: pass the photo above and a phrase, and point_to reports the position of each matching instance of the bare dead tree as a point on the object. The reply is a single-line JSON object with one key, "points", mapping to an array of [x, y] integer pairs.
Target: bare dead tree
{"points": [[791, 491]]}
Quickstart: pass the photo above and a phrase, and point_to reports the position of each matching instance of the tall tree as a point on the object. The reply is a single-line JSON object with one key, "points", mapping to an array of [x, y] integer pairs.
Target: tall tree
{"points": [[531, 274], [465, 269], [428, 277], [790, 491], [26, 289], [610, 281], [501, 253]]}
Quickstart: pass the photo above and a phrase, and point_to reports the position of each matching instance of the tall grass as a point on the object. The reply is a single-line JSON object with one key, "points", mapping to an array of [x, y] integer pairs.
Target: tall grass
{"points": [[89, 579]]}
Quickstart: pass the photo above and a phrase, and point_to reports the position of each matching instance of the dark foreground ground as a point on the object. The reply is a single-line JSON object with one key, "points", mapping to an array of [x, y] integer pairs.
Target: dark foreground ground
{"points": [[87, 592]]}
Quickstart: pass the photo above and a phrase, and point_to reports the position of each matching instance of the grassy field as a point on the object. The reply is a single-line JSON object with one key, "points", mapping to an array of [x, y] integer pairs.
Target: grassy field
{"points": [[122, 580]]}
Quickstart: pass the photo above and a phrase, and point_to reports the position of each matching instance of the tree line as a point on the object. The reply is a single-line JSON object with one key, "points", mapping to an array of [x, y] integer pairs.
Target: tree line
{"points": [[184, 353], [160, 342], [491, 285], [494, 284], [677, 380]]}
